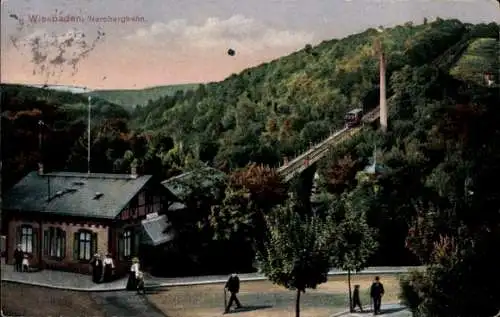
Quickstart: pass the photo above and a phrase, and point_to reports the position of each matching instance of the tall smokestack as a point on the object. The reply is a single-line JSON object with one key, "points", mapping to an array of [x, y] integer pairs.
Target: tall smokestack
{"points": [[383, 98]]}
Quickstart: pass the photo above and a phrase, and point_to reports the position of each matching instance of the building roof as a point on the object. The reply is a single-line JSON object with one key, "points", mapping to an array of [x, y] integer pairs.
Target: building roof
{"points": [[355, 111], [207, 178], [155, 231], [74, 194]]}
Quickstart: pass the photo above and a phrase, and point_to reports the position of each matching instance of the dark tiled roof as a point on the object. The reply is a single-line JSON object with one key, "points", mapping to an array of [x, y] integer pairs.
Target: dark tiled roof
{"points": [[74, 194]]}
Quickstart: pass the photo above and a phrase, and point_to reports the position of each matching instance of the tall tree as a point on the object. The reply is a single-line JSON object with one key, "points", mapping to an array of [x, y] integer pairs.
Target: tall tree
{"points": [[354, 244], [297, 250]]}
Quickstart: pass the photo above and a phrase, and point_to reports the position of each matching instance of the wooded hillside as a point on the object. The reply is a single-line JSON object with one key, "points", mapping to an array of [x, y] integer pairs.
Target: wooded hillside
{"points": [[278, 108]]}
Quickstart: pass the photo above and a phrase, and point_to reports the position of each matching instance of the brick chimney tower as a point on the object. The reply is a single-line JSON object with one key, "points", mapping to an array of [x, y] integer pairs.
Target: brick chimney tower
{"points": [[383, 97]]}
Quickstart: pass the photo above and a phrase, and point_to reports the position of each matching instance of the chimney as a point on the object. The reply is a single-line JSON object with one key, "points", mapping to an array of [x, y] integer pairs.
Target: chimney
{"points": [[383, 98], [40, 168]]}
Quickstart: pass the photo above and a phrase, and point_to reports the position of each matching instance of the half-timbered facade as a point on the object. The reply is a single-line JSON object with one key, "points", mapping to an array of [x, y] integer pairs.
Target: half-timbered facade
{"points": [[62, 219]]}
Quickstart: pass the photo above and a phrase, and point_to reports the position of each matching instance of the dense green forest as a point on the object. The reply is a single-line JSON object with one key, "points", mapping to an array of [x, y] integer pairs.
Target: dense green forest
{"points": [[260, 115], [276, 109], [64, 117], [440, 145]]}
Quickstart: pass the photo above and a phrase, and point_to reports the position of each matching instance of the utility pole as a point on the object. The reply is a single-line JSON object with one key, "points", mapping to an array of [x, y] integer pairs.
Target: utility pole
{"points": [[88, 136]]}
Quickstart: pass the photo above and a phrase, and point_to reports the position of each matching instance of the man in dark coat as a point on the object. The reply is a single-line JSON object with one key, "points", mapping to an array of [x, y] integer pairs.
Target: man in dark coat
{"points": [[376, 293], [18, 258], [233, 286]]}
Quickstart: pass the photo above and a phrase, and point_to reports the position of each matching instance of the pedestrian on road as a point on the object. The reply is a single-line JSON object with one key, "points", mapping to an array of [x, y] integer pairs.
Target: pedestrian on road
{"points": [[109, 266], [356, 301], [376, 293], [18, 258], [97, 268], [233, 286], [132, 276]]}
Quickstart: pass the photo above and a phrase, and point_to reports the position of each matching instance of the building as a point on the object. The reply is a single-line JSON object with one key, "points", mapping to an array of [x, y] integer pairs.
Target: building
{"points": [[62, 219], [207, 180]]}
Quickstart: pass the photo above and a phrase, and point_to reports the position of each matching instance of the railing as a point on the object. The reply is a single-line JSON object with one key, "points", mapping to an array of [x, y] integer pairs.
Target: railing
{"points": [[316, 152]]}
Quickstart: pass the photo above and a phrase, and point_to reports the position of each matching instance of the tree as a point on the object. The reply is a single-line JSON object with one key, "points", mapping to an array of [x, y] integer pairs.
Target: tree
{"points": [[297, 250], [234, 216], [341, 174], [265, 186], [355, 242]]}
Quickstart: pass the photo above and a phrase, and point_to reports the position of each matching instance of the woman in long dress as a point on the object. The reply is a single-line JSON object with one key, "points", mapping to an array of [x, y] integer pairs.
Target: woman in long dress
{"points": [[132, 276], [108, 268], [96, 268]]}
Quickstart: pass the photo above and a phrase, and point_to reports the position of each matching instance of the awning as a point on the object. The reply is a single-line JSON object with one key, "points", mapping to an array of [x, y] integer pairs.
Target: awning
{"points": [[154, 231]]}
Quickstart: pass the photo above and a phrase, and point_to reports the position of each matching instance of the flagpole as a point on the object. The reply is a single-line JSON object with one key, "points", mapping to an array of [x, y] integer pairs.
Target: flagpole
{"points": [[88, 136]]}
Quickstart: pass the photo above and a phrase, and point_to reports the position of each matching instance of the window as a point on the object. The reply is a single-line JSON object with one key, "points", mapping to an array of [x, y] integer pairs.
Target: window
{"points": [[25, 238], [84, 245], [127, 243], [142, 198], [54, 242]]}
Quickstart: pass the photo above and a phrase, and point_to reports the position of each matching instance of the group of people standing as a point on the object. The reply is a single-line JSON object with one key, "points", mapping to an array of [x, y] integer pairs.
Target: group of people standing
{"points": [[102, 268], [103, 271]]}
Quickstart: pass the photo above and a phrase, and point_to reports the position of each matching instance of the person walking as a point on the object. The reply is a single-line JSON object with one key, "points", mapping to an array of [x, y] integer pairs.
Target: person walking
{"points": [[233, 286], [356, 300], [376, 293], [109, 266], [132, 276], [97, 268], [18, 258]]}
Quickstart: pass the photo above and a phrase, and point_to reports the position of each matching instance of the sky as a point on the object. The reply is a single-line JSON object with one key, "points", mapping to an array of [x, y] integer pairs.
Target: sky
{"points": [[131, 44]]}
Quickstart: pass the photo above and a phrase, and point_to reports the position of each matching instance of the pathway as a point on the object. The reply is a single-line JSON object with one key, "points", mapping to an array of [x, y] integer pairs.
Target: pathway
{"points": [[79, 282], [125, 304], [59, 280]]}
